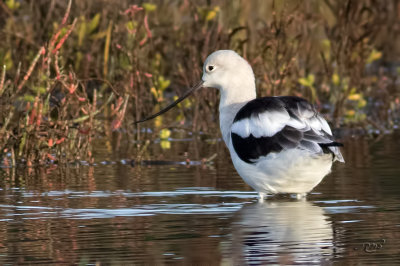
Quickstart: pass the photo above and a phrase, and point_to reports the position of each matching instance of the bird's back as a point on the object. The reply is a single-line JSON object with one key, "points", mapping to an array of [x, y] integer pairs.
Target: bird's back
{"points": [[274, 124]]}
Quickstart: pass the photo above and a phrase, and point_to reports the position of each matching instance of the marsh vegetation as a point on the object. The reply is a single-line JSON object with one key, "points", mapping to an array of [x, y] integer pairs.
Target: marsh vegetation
{"points": [[75, 71]]}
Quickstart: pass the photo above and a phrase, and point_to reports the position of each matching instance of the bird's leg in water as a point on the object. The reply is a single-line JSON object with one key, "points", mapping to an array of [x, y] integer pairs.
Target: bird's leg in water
{"points": [[300, 196], [261, 196]]}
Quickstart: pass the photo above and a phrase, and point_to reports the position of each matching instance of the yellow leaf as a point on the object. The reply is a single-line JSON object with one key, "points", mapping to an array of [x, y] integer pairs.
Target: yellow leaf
{"points": [[165, 144], [354, 97], [211, 14], [7, 60], [326, 48], [29, 98], [12, 4], [149, 7], [304, 82], [350, 113], [362, 117], [179, 104], [308, 81], [158, 121], [311, 79], [154, 92], [165, 134], [326, 43], [180, 118], [163, 83], [373, 56], [335, 79], [131, 25], [94, 23], [188, 104], [39, 90], [99, 35], [361, 103]]}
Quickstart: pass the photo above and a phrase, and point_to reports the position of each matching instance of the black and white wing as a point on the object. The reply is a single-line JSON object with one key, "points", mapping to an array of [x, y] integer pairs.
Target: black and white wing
{"points": [[273, 124]]}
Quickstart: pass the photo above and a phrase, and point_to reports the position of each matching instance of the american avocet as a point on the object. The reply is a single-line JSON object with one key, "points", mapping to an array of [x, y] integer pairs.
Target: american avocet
{"points": [[277, 144]]}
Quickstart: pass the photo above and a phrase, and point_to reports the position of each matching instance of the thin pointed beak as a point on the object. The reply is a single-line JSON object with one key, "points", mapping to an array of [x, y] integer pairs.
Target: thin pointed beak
{"points": [[184, 96]]}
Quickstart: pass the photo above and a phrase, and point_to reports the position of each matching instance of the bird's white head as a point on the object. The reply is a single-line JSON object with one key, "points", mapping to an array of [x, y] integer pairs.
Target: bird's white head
{"points": [[231, 74], [228, 72]]}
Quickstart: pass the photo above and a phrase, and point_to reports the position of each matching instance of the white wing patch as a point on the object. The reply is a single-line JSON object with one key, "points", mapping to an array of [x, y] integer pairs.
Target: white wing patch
{"points": [[319, 125], [325, 126], [267, 124]]}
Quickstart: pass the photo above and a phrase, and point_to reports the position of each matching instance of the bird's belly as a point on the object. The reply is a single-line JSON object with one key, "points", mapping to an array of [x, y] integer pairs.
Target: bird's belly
{"points": [[290, 171]]}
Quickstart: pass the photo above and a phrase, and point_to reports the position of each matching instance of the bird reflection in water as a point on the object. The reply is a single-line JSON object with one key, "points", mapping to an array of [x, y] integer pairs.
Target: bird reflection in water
{"points": [[280, 232]]}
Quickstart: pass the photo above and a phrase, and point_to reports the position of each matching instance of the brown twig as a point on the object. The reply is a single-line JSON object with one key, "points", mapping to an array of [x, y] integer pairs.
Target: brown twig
{"points": [[3, 77], [30, 70], [61, 42]]}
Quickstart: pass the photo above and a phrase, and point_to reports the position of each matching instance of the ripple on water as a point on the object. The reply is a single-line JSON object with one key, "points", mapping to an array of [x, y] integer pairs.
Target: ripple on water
{"points": [[115, 213]]}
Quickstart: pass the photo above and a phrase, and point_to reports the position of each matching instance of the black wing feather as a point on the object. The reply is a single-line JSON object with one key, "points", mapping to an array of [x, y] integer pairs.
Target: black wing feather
{"points": [[249, 149]]}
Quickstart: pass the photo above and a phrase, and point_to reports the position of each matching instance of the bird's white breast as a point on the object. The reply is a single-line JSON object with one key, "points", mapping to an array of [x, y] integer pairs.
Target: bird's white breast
{"points": [[291, 171]]}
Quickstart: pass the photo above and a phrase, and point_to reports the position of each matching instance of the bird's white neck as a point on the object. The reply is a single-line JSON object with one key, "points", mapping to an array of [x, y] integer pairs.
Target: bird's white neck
{"points": [[231, 101], [233, 76]]}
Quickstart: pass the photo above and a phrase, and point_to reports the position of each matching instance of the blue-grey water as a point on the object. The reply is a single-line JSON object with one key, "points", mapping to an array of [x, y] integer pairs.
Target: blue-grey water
{"points": [[191, 212]]}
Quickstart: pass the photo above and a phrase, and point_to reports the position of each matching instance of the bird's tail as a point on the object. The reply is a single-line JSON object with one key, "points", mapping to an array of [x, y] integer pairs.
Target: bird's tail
{"points": [[333, 147]]}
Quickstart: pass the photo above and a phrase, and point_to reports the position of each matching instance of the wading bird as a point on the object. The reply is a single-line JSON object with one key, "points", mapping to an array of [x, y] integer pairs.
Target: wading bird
{"points": [[277, 144]]}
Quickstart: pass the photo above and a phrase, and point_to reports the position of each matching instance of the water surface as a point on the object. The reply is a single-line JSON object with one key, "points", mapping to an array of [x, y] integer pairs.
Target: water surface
{"points": [[194, 213]]}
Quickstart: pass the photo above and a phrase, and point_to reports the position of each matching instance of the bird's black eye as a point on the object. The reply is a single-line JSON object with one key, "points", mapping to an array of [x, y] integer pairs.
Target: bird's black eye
{"points": [[210, 68]]}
